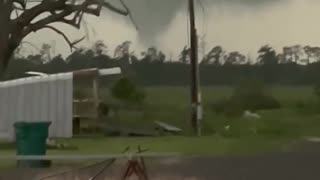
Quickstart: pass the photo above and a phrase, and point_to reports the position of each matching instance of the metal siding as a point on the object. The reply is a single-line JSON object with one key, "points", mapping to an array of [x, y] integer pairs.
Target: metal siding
{"points": [[12, 103], [3, 126], [28, 103], [35, 99], [69, 104], [20, 105], [35, 96], [4, 102], [44, 101], [54, 99], [61, 105], [52, 103]]}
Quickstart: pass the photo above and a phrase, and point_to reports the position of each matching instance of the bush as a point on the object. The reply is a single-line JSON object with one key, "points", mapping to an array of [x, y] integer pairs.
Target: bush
{"points": [[253, 95], [79, 93], [126, 91], [248, 95], [316, 90]]}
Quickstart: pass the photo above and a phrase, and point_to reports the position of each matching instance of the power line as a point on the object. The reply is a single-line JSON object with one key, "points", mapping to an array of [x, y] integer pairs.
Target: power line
{"points": [[204, 21], [188, 27], [204, 28]]}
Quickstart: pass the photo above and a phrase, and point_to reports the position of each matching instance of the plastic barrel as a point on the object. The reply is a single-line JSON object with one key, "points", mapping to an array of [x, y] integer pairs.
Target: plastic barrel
{"points": [[31, 140]]}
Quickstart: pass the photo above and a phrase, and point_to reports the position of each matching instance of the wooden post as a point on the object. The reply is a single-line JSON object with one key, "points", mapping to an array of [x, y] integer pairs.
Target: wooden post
{"points": [[96, 95], [76, 125], [195, 102]]}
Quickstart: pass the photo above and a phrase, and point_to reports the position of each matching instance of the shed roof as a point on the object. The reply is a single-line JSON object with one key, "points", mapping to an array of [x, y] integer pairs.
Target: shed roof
{"points": [[60, 76]]}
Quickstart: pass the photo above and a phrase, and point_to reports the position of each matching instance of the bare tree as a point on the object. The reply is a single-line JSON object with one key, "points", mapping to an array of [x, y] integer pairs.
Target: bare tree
{"points": [[292, 54], [19, 18], [184, 56], [235, 58], [313, 53], [122, 50], [151, 55], [100, 48], [46, 52], [214, 56], [267, 55]]}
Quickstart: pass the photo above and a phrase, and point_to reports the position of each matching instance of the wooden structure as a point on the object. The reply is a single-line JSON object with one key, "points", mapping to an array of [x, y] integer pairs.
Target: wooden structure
{"points": [[91, 103]]}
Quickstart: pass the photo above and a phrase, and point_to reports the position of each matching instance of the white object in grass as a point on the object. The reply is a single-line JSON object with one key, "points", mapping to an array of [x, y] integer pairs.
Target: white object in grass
{"points": [[227, 127], [249, 114]]}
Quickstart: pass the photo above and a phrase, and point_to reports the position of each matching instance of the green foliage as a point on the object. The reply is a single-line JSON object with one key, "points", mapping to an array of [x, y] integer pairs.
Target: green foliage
{"points": [[253, 95], [248, 95], [316, 90], [311, 105], [126, 91], [267, 55], [79, 93], [308, 107], [171, 105]]}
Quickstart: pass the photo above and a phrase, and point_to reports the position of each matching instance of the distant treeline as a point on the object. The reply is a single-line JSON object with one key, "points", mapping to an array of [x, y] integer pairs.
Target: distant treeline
{"points": [[155, 69]]}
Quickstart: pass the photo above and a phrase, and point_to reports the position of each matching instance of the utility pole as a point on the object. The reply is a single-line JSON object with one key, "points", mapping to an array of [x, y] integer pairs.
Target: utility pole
{"points": [[196, 111]]}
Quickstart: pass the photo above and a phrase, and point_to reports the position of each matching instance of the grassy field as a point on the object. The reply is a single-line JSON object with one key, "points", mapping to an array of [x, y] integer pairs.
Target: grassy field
{"points": [[275, 130], [172, 105]]}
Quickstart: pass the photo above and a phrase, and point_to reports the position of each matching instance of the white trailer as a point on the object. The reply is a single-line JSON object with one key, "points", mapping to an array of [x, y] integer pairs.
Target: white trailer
{"points": [[44, 98]]}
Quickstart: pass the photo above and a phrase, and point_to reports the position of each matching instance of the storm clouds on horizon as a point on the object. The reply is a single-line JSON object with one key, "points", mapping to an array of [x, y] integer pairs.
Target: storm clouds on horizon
{"points": [[241, 25]]}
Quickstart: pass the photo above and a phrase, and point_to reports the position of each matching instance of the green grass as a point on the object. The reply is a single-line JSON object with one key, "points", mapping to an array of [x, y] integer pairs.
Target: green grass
{"points": [[186, 146], [275, 130], [172, 105], [206, 145]]}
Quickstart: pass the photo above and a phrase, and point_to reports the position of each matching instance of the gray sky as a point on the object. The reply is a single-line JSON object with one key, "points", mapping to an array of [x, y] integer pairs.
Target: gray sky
{"points": [[242, 25]]}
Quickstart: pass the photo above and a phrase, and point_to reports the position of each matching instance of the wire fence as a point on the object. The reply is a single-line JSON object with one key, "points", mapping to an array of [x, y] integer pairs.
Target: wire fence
{"points": [[119, 166], [111, 169], [276, 166], [95, 171]]}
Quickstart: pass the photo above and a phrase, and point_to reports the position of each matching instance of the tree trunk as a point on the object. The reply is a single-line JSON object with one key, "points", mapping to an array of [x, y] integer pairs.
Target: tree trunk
{"points": [[5, 51], [4, 56], [1, 64]]}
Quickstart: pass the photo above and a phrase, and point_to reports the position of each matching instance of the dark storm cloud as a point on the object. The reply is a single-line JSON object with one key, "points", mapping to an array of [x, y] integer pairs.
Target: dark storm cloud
{"points": [[154, 16]]}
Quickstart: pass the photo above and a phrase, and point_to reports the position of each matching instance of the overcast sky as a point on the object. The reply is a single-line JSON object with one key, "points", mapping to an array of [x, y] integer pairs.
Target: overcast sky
{"points": [[242, 25]]}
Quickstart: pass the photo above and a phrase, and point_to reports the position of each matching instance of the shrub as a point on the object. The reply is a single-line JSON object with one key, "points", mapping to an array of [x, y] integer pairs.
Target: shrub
{"points": [[316, 90], [253, 95], [126, 91], [248, 95], [79, 93]]}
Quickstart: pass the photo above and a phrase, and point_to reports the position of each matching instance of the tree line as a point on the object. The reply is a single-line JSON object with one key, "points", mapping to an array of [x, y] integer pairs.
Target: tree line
{"points": [[295, 65]]}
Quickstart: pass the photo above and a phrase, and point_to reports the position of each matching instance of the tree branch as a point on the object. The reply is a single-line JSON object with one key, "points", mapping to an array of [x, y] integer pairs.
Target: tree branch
{"points": [[129, 13], [21, 3], [115, 9], [60, 17], [28, 15], [71, 44], [18, 28], [22, 23]]}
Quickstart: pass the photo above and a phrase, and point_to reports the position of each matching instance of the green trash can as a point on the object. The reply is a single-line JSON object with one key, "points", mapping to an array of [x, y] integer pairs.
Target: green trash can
{"points": [[31, 140]]}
